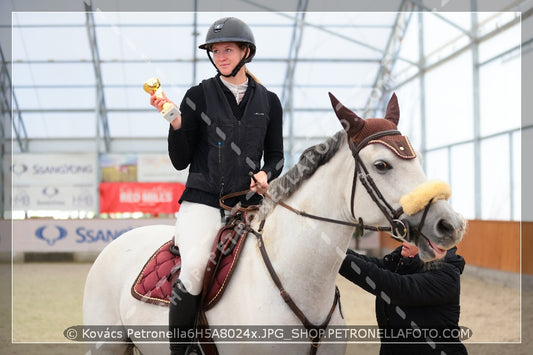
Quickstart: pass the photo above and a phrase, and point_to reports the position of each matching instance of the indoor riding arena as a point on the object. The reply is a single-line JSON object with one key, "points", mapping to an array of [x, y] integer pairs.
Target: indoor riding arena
{"points": [[85, 162]]}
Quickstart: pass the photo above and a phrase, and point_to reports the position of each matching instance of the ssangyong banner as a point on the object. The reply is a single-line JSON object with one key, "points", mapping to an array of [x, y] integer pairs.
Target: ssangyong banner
{"points": [[65, 182], [145, 197], [54, 169], [48, 235]]}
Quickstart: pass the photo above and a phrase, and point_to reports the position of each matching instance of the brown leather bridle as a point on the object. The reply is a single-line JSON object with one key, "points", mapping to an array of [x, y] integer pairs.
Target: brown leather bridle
{"points": [[399, 229]]}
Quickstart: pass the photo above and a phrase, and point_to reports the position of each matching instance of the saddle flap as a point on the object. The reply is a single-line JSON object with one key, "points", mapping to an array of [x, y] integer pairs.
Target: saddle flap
{"points": [[155, 280], [225, 253]]}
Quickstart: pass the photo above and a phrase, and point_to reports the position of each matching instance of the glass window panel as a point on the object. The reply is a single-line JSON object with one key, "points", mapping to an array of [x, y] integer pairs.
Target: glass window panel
{"points": [[449, 102], [137, 73], [145, 43], [336, 73], [352, 18], [255, 18], [500, 96], [21, 74], [350, 43], [56, 98], [463, 180], [267, 47], [495, 192], [51, 43], [438, 34], [315, 124], [137, 124], [269, 73], [143, 18], [500, 43], [408, 50], [527, 57], [409, 102], [461, 19], [48, 18], [60, 125], [308, 97], [53, 74], [436, 164], [491, 21]]}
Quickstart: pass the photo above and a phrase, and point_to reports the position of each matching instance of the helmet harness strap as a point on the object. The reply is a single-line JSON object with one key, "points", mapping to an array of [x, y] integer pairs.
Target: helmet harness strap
{"points": [[237, 67]]}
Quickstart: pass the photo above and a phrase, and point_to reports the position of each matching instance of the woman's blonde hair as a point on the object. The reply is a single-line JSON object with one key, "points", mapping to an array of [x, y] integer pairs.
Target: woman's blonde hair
{"points": [[247, 71]]}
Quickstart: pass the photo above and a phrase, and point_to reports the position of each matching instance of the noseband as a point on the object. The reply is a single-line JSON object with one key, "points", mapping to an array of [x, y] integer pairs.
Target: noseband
{"points": [[399, 229]]}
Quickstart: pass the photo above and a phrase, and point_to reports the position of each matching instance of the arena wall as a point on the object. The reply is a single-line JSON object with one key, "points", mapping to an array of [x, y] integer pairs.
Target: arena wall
{"points": [[499, 245]]}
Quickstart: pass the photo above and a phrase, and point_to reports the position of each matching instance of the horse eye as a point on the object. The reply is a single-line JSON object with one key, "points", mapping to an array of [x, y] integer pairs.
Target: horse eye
{"points": [[382, 166]]}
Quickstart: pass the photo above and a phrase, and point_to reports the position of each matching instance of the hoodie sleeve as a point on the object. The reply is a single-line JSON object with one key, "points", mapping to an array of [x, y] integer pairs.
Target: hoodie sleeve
{"points": [[438, 286]]}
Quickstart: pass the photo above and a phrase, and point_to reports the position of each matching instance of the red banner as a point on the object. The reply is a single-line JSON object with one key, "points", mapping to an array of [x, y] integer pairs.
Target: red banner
{"points": [[140, 197]]}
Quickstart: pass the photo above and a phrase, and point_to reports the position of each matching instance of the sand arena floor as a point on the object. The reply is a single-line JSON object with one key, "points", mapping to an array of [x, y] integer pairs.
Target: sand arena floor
{"points": [[47, 299]]}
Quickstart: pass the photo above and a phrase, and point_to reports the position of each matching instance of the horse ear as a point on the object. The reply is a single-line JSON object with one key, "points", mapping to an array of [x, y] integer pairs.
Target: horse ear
{"points": [[393, 110], [350, 121]]}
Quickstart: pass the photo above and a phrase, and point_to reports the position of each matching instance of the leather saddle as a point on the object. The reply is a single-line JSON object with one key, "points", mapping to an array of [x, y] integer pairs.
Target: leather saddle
{"points": [[154, 282]]}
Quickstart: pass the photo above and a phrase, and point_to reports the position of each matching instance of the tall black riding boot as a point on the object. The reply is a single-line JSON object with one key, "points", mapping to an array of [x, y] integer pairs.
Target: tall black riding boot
{"points": [[182, 318]]}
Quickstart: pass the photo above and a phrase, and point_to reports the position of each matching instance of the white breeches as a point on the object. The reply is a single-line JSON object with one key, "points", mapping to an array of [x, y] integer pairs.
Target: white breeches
{"points": [[196, 229]]}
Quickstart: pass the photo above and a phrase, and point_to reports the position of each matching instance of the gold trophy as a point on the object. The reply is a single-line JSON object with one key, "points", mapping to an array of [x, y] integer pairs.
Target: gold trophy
{"points": [[169, 111]]}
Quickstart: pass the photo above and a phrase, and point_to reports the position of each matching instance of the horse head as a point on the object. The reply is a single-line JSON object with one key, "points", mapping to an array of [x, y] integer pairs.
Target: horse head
{"points": [[416, 209]]}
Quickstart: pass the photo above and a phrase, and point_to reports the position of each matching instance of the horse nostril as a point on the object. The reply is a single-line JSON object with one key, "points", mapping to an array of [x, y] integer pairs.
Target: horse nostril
{"points": [[445, 227]]}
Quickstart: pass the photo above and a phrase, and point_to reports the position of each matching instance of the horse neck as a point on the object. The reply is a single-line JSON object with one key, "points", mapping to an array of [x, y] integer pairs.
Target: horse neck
{"points": [[309, 252]]}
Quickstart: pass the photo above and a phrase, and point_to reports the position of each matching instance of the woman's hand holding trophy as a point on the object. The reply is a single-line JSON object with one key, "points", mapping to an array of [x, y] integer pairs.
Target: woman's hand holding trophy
{"points": [[159, 100]]}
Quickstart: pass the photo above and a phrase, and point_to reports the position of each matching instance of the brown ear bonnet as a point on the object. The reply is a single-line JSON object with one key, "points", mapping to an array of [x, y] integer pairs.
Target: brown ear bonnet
{"points": [[359, 129]]}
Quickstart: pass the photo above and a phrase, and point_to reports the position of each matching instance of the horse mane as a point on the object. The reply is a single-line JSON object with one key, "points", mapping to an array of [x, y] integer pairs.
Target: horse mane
{"points": [[310, 160]]}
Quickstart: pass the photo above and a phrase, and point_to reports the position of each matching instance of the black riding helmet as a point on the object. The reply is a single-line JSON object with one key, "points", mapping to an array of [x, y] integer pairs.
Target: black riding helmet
{"points": [[230, 29]]}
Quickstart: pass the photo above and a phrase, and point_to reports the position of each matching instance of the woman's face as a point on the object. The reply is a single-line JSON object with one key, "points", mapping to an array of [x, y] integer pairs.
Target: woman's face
{"points": [[226, 56], [409, 250]]}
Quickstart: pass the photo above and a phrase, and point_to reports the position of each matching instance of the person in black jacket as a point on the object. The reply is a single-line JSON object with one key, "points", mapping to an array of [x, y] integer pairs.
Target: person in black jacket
{"points": [[229, 126], [417, 303]]}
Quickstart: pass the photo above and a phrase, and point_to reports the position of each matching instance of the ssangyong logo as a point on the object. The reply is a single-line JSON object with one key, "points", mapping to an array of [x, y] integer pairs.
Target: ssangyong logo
{"points": [[51, 234], [19, 169]]}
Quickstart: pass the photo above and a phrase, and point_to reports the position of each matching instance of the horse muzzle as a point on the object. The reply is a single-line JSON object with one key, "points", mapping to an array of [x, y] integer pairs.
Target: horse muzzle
{"points": [[429, 221]]}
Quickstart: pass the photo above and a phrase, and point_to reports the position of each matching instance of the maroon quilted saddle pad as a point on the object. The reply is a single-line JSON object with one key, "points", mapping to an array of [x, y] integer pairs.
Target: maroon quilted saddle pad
{"points": [[154, 282]]}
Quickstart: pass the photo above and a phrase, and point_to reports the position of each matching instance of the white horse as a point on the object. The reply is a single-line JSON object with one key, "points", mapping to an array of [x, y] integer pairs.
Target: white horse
{"points": [[306, 252]]}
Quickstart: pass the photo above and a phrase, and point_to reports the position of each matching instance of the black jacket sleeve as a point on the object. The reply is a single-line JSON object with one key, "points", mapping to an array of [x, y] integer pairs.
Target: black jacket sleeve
{"points": [[436, 286], [182, 142], [273, 145]]}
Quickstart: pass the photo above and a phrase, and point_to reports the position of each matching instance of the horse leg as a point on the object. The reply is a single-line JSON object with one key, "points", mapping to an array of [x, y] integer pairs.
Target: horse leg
{"points": [[107, 300], [100, 307]]}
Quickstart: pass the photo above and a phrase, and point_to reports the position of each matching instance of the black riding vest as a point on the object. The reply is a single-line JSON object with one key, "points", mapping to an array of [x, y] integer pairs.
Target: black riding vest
{"points": [[235, 146]]}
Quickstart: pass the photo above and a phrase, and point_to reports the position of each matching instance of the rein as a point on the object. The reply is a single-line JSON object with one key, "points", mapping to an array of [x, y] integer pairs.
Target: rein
{"points": [[318, 329], [397, 228], [392, 216]]}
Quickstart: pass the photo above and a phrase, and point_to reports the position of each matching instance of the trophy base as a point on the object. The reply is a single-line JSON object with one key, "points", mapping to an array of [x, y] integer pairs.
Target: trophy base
{"points": [[170, 114]]}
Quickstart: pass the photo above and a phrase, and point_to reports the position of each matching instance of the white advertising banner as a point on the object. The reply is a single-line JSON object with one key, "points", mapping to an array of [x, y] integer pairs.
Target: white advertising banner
{"points": [[158, 168], [53, 182], [54, 197], [48, 235], [54, 169]]}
